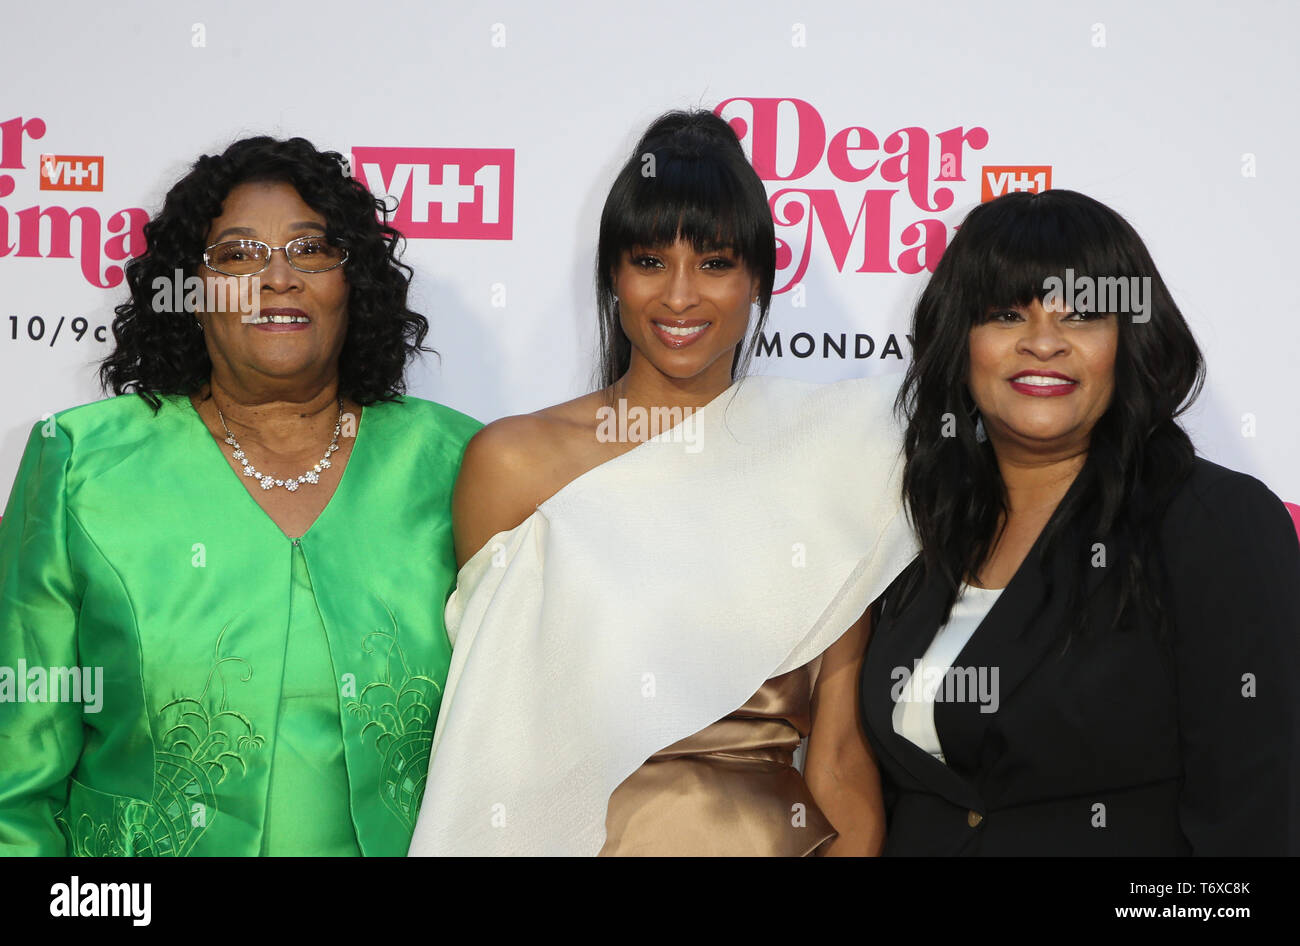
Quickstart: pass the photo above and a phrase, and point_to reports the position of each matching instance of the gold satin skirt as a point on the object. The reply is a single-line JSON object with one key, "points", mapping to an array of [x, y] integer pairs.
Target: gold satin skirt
{"points": [[730, 790]]}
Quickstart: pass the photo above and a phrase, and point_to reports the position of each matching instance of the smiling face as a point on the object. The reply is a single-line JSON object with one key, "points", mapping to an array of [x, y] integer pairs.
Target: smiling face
{"points": [[303, 318], [1042, 379], [684, 311]]}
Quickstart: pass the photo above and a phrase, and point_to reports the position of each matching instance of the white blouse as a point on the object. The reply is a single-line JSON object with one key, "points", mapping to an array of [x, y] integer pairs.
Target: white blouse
{"points": [[914, 701]]}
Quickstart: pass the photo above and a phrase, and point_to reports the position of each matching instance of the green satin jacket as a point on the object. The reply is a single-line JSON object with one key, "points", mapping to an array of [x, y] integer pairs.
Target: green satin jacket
{"points": [[145, 614]]}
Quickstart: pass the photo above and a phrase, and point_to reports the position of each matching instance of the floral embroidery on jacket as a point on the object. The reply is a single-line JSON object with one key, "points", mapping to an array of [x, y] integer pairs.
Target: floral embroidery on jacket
{"points": [[198, 748], [402, 707]]}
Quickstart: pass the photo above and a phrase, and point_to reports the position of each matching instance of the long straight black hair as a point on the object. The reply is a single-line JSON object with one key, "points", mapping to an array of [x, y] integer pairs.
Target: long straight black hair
{"points": [[1138, 455], [687, 178]]}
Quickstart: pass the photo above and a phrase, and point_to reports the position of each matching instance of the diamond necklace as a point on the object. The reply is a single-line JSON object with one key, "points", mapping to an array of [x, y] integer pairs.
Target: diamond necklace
{"points": [[266, 480]]}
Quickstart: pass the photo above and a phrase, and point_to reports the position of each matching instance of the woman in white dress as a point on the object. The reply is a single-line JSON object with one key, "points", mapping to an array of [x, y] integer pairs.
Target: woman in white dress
{"points": [[664, 583]]}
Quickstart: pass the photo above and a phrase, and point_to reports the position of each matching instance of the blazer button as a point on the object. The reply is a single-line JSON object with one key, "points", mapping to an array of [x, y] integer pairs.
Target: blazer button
{"points": [[973, 818]]}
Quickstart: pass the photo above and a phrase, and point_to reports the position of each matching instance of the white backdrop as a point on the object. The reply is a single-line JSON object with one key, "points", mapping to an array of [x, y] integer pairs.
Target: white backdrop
{"points": [[1179, 115]]}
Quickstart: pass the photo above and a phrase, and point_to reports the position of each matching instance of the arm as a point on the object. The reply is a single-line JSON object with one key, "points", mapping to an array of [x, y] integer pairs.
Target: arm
{"points": [[840, 770], [40, 742], [1235, 600]]}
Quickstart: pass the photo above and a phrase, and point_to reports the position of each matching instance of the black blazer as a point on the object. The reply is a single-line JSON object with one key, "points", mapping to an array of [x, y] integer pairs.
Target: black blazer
{"points": [[1120, 743]]}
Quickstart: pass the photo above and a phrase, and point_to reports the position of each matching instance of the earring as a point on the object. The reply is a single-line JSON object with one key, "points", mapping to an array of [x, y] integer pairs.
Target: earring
{"points": [[981, 435]]}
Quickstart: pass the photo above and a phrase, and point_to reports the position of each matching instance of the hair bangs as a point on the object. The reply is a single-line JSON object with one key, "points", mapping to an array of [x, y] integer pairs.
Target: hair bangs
{"points": [[1030, 246], [691, 199]]}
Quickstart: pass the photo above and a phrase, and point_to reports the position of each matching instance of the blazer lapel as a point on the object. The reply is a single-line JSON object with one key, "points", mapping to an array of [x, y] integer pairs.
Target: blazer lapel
{"points": [[890, 661], [1025, 625]]}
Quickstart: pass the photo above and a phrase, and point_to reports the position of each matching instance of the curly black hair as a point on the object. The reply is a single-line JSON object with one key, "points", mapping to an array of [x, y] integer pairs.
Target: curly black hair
{"points": [[157, 353]]}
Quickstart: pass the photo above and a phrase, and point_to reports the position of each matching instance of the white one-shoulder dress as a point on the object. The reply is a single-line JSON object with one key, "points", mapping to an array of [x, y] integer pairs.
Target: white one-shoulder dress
{"points": [[652, 597]]}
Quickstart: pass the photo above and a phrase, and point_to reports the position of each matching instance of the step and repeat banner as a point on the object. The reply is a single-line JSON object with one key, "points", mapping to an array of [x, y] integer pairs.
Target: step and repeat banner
{"points": [[499, 128]]}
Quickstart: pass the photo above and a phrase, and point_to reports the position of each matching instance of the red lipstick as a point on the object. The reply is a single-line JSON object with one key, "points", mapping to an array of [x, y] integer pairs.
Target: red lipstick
{"points": [[1042, 383]]}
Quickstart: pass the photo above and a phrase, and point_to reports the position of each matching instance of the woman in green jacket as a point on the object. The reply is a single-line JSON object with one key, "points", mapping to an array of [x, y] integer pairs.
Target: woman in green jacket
{"points": [[200, 656]]}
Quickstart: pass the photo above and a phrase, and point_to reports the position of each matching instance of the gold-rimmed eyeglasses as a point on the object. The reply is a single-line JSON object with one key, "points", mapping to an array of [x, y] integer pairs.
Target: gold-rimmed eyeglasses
{"points": [[307, 254]]}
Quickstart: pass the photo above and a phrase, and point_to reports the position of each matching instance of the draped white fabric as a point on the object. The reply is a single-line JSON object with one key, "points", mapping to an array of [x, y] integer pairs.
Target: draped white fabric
{"points": [[652, 596]]}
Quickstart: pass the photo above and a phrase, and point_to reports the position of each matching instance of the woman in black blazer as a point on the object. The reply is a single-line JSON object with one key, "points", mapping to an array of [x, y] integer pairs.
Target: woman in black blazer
{"points": [[1132, 689]]}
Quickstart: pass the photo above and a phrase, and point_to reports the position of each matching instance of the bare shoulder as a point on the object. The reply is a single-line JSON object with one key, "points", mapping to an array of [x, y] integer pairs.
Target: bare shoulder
{"points": [[508, 447], [530, 452], [513, 465], [505, 466]]}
